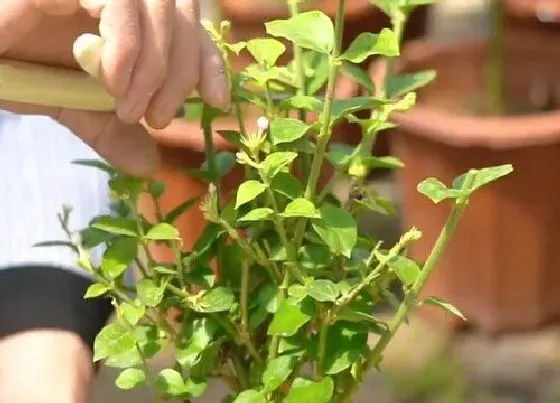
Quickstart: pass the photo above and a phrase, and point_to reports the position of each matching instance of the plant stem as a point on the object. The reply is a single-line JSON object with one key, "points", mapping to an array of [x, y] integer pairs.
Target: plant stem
{"points": [[322, 348], [244, 299], [273, 349], [149, 378], [411, 296], [325, 132], [496, 63], [240, 370]]}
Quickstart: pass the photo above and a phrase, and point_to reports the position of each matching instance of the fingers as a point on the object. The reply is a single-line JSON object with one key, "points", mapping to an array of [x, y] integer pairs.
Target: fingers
{"points": [[119, 26], [213, 84], [182, 69], [17, 18], [157, 18]]}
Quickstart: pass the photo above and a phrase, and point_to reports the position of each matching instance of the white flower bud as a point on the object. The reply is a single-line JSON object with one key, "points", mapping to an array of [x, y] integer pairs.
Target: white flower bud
{"points": [[262, 123]]}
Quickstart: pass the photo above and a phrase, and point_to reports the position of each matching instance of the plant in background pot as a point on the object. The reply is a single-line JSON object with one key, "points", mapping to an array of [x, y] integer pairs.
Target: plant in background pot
{"points": [[277, 296], [494, 101]]}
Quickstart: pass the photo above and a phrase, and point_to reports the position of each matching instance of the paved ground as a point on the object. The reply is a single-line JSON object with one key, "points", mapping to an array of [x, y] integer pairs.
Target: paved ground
{"points": [[424, 364]]}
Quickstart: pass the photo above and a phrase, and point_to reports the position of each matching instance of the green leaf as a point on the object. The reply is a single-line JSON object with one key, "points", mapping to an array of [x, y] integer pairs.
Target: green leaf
{"points": [[130, 378], [250, 396], [287, 185], [118, 256], [350, 340], [224, 160], [149, 292], [438, 302], [266, 51], [337, 229], [400, 85], [484, 176], [407, 270], [114, 339], [300, 208], [195, 388], [178, 211], [367, 44], [340, 155], [310, 30], [315, 257], [350, 315], [156, 189], [163, 232], [302, 102], [290, 317], [217, 300], [275, 162], [248, 191], [344, 107], [286, 130], [116, 225], [126, 187], [323, 290], [436, 191], [202, 331], [297, 291], [99, 164], [359, 75], [258, 214], [132, 313], [203, 276], [277, 371], [96, 290], [170, 382], [304, 390]]}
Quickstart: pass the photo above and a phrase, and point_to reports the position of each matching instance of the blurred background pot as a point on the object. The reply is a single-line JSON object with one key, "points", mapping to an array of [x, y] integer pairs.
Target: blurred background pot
{"points": [[502, 268]]}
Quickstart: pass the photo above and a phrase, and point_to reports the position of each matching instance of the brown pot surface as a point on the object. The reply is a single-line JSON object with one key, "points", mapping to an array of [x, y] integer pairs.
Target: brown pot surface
{"points": [[502, 267], [266, 10], [549, 9]]}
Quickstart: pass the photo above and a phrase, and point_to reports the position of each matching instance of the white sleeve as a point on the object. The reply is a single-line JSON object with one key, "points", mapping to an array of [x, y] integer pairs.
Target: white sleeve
{"points": [[36, 180]]}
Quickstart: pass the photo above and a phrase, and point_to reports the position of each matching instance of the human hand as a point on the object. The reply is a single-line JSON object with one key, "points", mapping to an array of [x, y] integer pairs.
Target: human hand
{"points": [[155, 53]]}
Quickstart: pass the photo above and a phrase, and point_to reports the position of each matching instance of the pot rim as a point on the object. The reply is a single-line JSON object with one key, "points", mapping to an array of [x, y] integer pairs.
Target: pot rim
{"points": [[530, 10], [252, 11], [182, 133], [462, 130]]}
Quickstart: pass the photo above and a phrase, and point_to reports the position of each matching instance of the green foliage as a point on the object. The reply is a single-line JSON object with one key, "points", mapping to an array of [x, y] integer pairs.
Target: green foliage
{"points": [[281, 279]]}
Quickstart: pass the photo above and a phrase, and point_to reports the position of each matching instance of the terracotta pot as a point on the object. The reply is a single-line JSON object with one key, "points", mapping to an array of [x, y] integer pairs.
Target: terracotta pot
{"points": [[538, 10], [182, 147], [502, 267]]}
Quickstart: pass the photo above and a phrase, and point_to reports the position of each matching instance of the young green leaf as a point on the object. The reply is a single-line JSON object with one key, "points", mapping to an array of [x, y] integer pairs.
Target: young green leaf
{"points": [[170, 382], [96, 290], [258, 214], [435, 301], [178, 211], [344, 107], [338, 229], [132, 313], [251, 396], [367, 44], [248, 191], [277, 371], [275, 162], [114, 339], [290, 317], [118, 256], [323, 290], [149, 292], [163, 232], [286, 130], [202, 276], [407, 270], [359, 75], [302, 102], [350, 340], [300, 208], [217, 300], [304, 390], [400, 85], [436, 191], [483, 176], [224, 160], [310, 30], [116, 225], [266, 51], [130, 378], [202, 332], [287, 185]]}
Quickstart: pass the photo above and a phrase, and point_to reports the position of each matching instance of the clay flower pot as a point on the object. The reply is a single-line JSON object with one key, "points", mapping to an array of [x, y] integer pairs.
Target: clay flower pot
{"points": [[247, 19], [182, 147], [502, 267]]}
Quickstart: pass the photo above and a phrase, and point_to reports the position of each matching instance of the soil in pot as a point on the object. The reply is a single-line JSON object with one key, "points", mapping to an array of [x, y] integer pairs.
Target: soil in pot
{"points": [[502, 267]]}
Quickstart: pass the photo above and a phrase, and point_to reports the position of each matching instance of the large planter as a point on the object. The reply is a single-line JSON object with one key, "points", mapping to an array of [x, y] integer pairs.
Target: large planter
{"points": [[502, 268], [182, 147]]}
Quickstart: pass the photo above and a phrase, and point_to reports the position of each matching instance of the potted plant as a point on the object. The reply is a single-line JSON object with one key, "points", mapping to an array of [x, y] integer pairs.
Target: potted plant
{"points": [[493, 101], [277, 296]]}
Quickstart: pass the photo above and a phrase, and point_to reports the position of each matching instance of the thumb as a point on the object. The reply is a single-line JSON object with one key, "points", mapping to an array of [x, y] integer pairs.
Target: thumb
{"points": [[127, 147]]}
